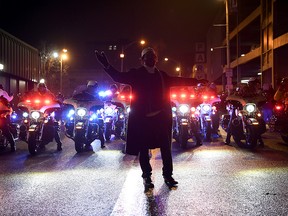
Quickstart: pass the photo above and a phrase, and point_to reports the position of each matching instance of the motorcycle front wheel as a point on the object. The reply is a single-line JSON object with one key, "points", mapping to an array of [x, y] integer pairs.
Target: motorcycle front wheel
{"points": [[183, 136], [101, 137], [119, 129], [251, 137], [79, 145], [108, 131], [207, 131], [32, 144], [118, 132]]}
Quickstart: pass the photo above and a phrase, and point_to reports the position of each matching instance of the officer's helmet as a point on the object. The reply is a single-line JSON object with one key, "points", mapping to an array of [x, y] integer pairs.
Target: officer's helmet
{"points": [[42, 88], [92, 84]]}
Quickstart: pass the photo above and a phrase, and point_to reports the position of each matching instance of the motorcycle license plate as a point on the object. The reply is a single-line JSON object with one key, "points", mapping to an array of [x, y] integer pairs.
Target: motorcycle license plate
{"points": [[32, 127], [207, 118], [107, 120]]}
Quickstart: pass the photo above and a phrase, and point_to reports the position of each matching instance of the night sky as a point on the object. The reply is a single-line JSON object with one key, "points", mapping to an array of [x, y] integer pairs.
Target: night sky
{"points": [[172, 27]]}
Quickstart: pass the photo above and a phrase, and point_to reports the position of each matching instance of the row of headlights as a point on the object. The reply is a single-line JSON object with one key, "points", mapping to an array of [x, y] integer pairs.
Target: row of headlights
{"points": [[80, 112], [83, 111], [185, 108], [35, 114]]}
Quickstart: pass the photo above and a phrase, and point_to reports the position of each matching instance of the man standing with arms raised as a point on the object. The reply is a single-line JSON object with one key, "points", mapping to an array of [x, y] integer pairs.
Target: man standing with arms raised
{"points": [[150, 118]]}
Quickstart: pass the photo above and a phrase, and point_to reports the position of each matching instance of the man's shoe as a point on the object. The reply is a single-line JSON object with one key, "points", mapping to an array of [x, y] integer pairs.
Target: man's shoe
{"points": [[148, 185], [170, 182]]}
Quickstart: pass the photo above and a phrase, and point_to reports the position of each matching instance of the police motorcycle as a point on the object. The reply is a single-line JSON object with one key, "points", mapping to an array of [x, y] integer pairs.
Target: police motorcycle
{"points": [[246, 122], [82, 115], [38, 123], [279, 120], [8, 119], [185, 122], [208, 114], [113, 115], [125, 97]]}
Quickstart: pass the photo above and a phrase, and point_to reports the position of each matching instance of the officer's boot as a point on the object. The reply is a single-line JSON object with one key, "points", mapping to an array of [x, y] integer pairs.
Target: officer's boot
{"points": [[11, 140], [228, 137], [58, 141], [13, 148], [59, 146], [260, 141]]}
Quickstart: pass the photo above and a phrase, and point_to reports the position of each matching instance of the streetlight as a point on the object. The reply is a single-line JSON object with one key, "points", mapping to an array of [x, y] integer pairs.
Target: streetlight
{"points": [[124, 47], [228, 70], [178, 67], [63, 56]]}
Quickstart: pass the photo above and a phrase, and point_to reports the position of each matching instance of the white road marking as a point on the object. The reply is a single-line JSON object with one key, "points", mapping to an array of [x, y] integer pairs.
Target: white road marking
{"points": [[132, 200]]}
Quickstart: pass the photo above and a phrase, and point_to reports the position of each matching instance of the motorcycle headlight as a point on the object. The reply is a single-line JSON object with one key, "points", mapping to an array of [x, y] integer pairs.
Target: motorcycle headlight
{"points": [[14, 116], [206, 108], [35, 114], [25, 114], [108, 111], [81, 112], [184, 108], [105, 93], [93, 117], [250, 108], [101, 93], [71, 113]]}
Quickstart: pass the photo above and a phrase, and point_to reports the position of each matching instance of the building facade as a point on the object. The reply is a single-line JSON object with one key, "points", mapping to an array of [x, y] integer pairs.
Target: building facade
{"points": [[20, 64], [258, 42]]}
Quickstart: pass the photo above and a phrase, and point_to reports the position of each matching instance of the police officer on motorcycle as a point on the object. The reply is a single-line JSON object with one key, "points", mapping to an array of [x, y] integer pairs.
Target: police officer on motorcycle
{"points": [[44, 91], [88, 93], [5, 112], [211, 90], [252, 90]]}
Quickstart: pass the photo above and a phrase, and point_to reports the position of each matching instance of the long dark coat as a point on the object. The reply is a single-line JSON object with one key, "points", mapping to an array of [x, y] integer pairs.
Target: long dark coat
{"points": [[151, 93]]}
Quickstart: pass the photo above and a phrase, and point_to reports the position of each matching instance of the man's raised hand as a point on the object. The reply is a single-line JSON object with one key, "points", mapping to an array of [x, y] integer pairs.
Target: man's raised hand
{"points": [[101, 57]]}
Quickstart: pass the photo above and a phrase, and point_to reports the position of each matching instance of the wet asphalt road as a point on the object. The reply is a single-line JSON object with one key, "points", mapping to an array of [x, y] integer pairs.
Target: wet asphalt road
{"points": [[214, 179]]}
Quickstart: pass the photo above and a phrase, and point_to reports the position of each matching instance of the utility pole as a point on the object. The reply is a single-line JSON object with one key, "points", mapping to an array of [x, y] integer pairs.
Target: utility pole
{"points": [[228, 70]]}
